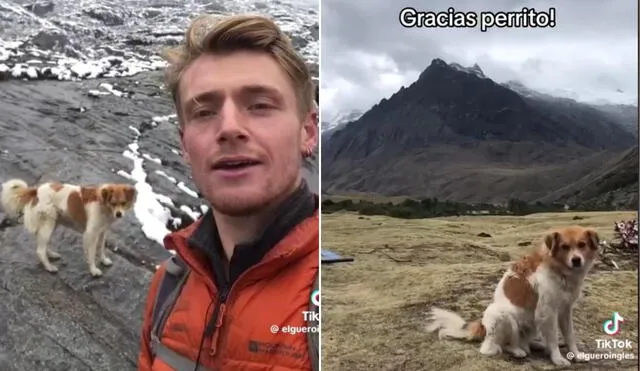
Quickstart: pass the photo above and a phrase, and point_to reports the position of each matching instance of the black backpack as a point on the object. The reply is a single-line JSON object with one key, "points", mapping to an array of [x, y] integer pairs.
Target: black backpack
{"points": [[176, 274]]}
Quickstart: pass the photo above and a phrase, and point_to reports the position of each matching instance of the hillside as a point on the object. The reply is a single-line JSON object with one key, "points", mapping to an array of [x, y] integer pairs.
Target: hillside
{"points": [[613, 184], [456, 134]]}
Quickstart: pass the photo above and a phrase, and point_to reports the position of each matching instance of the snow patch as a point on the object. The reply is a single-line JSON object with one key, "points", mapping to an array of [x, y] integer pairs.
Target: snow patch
{"points": [[170, 178], [187, 190], [192, 214], [135, 130], [160, 119], [154, 159], [110, 89], [177, 222], [148, 209], [474, 70]]}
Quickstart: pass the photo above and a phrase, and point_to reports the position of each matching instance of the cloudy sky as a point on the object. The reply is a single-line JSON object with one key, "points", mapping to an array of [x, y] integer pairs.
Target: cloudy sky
{"points": [[367, 55]]}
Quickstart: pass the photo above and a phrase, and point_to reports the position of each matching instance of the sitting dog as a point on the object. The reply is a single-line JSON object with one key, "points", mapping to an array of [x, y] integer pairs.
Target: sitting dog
{"points": [[535, 296], [88, 210]]}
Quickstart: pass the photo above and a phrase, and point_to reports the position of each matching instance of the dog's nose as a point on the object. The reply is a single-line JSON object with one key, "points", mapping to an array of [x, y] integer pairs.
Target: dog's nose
{"points": [[576, 262], [118, 214]]}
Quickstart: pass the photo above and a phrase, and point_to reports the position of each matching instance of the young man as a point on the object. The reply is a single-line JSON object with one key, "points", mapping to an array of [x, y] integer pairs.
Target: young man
{"points": [[247, 116]]}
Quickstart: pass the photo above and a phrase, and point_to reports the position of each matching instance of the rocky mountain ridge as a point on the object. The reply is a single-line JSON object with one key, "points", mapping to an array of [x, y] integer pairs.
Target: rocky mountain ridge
{"points": [[454, 133]]}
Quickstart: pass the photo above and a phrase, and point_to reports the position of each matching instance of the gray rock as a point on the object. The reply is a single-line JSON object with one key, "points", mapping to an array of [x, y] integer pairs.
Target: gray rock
{"points": [[69, 320], [40, 8], [50, 40], [105, 15]]}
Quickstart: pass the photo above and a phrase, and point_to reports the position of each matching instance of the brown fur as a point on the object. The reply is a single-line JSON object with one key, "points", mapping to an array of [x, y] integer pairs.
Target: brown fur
{"points": [[112, 196], [76, 210], [476, 330], [117, 197], [28, 195], [557, 250], [88, 194], [117, 193], [520, 293], [563, 244], [517, 287]]}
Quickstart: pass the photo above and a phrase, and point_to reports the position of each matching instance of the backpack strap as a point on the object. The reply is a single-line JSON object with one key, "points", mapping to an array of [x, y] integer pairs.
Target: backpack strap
{"points": [[170, 287], [171, 283], [313, 336]]}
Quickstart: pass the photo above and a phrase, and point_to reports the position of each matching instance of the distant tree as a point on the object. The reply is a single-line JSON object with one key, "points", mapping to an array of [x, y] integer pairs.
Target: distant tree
{"points": [[517, 207]]}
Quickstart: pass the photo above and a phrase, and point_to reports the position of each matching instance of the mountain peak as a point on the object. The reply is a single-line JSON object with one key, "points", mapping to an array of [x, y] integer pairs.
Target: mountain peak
{"points": [[438, 64], [475, 70]]}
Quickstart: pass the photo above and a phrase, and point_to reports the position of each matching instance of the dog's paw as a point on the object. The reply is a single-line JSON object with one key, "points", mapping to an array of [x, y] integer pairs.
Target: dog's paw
{"points": [[52, 269], [579, 356], [560, 361], [53, 255], [96, 272], [106, 262], [490, 349], [517, 352]]}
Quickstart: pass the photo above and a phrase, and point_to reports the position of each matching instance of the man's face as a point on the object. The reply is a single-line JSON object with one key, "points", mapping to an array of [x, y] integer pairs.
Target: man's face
{"points": [[243, 137]]}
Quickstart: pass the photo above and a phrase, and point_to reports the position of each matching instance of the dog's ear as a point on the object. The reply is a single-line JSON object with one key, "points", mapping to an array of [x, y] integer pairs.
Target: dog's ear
{"points": [[105, 194], [130, 193], [593, 238], [552, 241]]}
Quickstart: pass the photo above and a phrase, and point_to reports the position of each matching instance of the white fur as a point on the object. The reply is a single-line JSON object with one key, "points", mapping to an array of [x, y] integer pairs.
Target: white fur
{"points": [[514, 329], [9, 198], [450, 324], [503, 322], [556, 300], [51, 212]]}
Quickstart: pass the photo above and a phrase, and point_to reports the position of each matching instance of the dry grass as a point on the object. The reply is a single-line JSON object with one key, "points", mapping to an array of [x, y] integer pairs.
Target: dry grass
{"points": [[373, 308]]}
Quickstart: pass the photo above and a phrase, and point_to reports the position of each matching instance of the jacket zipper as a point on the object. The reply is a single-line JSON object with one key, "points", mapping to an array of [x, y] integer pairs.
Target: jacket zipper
{"points": [[217, 318], [218, 314], [213, 328]]}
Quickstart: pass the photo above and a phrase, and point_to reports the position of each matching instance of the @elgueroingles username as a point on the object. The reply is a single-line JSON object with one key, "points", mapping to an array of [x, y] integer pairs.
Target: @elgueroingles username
{"points": [[526, 17], [582, 356], [292, 329]]}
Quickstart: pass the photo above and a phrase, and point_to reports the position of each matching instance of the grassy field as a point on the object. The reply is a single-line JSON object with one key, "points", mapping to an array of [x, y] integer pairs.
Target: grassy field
{"points": [[373, 309]]}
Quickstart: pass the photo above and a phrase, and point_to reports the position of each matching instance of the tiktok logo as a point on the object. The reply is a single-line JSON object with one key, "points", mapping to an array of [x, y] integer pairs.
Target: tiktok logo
{"points": [[315, 297], [612, 326]]}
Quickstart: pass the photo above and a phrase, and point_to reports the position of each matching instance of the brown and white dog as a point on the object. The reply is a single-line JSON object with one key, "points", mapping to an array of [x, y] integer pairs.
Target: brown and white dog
{"points": [[88, 210], [535, 296]]}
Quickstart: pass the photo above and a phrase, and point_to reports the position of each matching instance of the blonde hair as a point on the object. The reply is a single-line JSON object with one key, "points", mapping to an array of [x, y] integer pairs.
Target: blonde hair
{"points": [[217, 34]]}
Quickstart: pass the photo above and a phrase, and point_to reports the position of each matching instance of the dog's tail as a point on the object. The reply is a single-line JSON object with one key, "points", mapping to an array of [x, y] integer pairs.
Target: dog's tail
{"points": [[451, 326], [16, 194]]}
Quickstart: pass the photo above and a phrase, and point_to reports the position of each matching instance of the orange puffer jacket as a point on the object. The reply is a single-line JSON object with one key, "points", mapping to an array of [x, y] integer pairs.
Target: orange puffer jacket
{"points": [[238, 325]]}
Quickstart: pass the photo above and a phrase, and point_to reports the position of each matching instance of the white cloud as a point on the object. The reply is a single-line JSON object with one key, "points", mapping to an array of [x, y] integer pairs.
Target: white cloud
{"points": [[367, 55]]}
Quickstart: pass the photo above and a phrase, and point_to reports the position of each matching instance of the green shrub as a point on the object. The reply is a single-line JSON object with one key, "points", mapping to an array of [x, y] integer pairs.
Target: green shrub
{"points": [[432, 207]]}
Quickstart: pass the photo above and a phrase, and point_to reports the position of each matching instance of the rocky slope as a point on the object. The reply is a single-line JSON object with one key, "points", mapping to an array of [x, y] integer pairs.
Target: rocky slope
{"points": [[456, 134], [612, 185], [120, 127], [71, 39]]}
